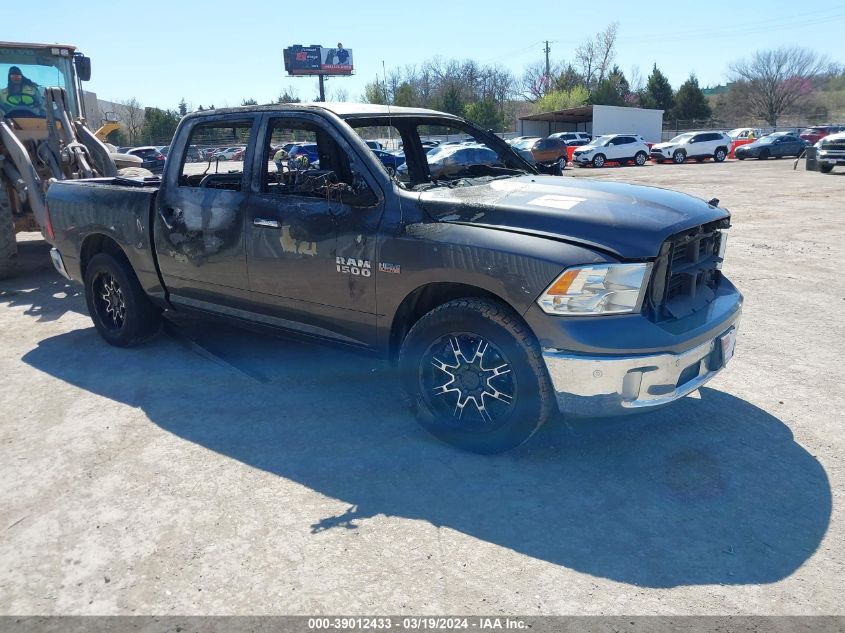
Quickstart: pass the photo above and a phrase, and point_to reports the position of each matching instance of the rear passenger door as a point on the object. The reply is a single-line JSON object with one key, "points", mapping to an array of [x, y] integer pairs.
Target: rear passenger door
{"points": [[199, 219]]}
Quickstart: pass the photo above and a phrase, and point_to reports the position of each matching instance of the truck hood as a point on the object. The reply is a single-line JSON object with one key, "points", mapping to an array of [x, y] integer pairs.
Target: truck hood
{"points": [[628, 221]]}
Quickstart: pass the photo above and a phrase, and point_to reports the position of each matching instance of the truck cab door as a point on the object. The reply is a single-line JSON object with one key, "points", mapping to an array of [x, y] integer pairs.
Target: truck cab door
{"points": [[311, 233], [199, 219]]}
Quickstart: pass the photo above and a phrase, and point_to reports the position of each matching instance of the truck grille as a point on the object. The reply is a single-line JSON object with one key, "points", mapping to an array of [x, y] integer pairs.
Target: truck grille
{"points": [[834, 145], [686, 272]]}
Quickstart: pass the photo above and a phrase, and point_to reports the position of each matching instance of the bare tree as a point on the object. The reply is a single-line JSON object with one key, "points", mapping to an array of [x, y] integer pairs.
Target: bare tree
{"points": [[594, 58], [130, 113], [340, 94], [535, 83], [777, 79]]}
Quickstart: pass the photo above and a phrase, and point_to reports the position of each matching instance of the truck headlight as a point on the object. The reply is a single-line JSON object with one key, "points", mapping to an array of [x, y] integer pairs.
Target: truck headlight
{"points": [[597, 289]]}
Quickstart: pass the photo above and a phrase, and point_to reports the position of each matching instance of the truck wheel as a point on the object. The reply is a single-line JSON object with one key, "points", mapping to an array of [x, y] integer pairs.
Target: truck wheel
{"points": [[826, 169], [679, 157], [8, 245], [598, 160], [474, 376], [121, 311]]}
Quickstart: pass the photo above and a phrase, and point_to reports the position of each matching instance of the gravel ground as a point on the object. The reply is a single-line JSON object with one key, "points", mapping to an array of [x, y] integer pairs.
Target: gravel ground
{"points": [[217, 471]]}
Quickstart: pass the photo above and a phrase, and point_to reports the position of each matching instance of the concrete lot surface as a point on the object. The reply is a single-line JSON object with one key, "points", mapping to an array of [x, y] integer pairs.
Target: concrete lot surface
{"points": [[219, 471]]}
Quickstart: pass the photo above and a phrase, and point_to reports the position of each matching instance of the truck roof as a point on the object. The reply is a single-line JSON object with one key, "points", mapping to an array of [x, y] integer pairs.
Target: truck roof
{"points": [[341, 109], [32, 45]]}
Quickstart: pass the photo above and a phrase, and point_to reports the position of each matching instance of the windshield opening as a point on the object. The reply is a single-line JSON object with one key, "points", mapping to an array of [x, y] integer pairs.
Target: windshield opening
{"points": [[599, 141], [26, 72], [681, 138]]}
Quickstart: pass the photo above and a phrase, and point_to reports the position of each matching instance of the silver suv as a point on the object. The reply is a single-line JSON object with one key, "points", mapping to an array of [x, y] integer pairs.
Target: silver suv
{"points": [[696, 145]]}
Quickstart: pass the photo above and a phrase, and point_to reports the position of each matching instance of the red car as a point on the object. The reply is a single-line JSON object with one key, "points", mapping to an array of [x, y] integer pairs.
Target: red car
{"points": [[239, 155], [816, 133]]}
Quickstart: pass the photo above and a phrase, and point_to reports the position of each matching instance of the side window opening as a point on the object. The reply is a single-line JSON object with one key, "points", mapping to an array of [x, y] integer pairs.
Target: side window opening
{"points": [[304, 159], [210, 160]]}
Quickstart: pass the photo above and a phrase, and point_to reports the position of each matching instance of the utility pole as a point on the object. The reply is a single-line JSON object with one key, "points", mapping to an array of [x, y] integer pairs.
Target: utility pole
{"points": [[548, 69]]}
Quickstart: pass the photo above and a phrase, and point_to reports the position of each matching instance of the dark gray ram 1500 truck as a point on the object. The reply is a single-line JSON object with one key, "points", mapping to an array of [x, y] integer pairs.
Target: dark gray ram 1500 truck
{"points": [[500, 293]]}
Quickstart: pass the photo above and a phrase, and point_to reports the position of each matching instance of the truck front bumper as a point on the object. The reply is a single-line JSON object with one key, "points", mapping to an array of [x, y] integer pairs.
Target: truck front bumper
{"points": [[599, 386]]}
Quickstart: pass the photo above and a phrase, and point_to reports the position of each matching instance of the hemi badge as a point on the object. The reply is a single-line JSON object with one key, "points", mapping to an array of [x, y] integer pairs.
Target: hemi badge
{"points": [[384, 267]]}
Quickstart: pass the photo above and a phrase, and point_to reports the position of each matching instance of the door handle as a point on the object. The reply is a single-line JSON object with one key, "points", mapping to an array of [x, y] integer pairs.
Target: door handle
{"points": [[167, 216], [267, 224]]}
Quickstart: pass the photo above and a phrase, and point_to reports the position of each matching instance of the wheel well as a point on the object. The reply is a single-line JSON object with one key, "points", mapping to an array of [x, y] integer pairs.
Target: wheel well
{"points": [[94, 244], [424, 300]]}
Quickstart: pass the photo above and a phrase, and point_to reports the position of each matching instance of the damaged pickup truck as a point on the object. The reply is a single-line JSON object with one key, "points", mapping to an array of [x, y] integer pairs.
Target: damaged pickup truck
{"points": [[499, 293]]}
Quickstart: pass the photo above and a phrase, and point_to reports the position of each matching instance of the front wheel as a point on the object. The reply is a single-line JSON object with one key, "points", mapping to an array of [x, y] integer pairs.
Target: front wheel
{"points": [[826, 169], [640, 159], [679, 157], [764, 155], [473, 374], [598, 160], [119, 307], [8, 243]]}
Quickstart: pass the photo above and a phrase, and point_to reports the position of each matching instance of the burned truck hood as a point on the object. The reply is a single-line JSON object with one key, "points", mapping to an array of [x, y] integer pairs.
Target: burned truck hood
{"points": [[629, 221]]}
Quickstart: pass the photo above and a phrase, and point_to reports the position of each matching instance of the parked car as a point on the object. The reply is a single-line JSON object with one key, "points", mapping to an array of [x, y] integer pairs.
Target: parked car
{"points": [[546, 151], [831, 152], [620, 148], [696, 145], [742, 133], [151, 157], [308, 150], [226, 154], [239, 155], [452, 160], [818, 132], [374, 145], [390, 160], [772, 146], [572, 138]]}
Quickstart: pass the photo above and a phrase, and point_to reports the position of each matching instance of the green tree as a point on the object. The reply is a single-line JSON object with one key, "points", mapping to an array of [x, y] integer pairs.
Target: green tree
{"points": [[287, 97], [405, 95], [159, 126], [183, 107], [658, 91], [374, 93], [561, 100], [690, 102], [249, 102], [451, 100], [485, 114]]}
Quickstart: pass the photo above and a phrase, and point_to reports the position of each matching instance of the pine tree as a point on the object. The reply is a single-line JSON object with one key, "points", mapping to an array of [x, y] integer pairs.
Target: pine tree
{"points": [[658, 91], [690, 102]]}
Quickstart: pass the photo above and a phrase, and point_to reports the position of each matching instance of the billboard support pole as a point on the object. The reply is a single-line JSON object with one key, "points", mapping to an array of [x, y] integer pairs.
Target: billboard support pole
{"points": [[322, 89]]}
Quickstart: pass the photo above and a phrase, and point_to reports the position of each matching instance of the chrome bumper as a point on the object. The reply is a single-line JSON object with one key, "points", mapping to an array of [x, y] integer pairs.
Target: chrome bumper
{"points": [[59, 264], [598, 386]]}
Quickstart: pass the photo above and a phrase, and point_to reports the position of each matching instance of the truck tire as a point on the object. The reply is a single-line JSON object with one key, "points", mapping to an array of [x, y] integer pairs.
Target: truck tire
{"points": [[473, 374], [826, 169], [8, 245], [119, 308]]}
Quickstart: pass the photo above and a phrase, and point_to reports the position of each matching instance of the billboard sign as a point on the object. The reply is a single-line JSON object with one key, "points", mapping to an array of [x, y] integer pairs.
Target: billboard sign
{"points": [[317, 60]]}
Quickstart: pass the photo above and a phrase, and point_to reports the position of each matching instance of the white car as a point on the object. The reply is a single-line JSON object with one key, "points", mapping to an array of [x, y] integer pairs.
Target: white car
{"points": [[572, 138], [226, 154], [742, 133], [831, 152], [619, 148], [696, 145]]}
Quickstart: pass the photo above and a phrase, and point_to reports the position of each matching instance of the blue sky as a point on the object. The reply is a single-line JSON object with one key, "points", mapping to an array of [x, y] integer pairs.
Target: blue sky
{"points": [[223, 52]]}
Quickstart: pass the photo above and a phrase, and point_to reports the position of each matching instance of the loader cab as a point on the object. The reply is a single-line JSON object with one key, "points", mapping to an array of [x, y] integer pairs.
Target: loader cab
{"points": [[42, 66]]}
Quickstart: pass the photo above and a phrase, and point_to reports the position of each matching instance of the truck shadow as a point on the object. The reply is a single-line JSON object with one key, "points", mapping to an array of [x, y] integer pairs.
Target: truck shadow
{"points": [[38, 288], [711, 490]]}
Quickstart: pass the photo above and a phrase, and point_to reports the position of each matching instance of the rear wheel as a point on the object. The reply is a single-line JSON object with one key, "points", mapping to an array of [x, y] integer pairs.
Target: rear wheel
{"points": [[679, 157], [719, 155], [473, 374], [121, 311], [8, 244], [640, 159], [598, 160]]}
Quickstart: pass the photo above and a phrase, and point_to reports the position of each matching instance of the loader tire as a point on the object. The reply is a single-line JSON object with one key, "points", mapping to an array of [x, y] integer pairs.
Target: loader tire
{"points": [[8, 245]]}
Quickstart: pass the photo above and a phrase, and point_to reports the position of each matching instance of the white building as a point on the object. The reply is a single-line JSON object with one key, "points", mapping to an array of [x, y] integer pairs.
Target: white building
{"points": [[595, 120]]}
